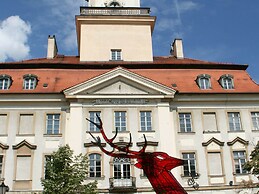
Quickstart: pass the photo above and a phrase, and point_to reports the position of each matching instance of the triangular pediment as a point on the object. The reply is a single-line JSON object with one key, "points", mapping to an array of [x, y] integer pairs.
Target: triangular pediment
{"points": [[119, 81]]}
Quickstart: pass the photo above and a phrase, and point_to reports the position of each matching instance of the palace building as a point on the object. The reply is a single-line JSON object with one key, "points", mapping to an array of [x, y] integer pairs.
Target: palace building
{"points": [[206, 113]]}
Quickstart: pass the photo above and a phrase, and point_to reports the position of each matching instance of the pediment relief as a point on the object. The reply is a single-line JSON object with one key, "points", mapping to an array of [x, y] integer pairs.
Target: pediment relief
{"points": [[119, 81]]}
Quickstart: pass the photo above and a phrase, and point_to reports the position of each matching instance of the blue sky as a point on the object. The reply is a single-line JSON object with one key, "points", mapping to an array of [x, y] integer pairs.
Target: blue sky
{"points": [[213, 30]]}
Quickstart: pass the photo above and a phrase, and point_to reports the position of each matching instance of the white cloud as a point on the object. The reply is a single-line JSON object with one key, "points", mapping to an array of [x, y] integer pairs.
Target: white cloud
{"points": [[14, 34]]}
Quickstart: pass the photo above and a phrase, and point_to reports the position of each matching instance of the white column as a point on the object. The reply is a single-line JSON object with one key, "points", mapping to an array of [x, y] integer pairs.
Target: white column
{"points": [[74, 130], [167, 136]]}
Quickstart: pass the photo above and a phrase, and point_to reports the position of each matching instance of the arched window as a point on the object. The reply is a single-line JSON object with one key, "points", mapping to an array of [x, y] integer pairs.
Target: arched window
{"points": [[29, 82], [95, 165], [5, 82], [227, 82], [203, 81]]}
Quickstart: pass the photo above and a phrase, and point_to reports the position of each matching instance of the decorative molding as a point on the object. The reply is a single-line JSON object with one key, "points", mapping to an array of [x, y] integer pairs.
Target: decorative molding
{"points": [[87, 145], [123, 73], [149, 143], [213, 139], [238, 139], [24, 143], [4, 147]]}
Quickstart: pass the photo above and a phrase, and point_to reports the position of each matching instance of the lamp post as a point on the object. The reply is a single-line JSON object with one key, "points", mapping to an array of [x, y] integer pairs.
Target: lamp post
{"points": [[3, 188]]}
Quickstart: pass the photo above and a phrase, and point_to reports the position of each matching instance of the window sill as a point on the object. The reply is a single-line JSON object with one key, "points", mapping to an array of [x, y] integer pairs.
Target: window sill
{"points": [[93, 131], [96, 178], [209, 132], [186, 133], [241, 131], [121, 131], [116, 60], [151, 131], [241, 174], [25, 134], [256, 131], [52, 135]]}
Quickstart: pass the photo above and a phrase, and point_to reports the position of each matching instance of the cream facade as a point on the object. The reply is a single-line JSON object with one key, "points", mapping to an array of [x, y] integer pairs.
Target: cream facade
{"points": [[205, 113]]}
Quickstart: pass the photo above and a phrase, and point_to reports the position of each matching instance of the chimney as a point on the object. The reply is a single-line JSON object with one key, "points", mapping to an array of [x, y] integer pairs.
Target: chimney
{"points": [[177, 49], [52, 47]]}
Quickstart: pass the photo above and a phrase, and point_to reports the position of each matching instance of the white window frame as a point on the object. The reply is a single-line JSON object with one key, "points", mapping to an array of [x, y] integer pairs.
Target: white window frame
{"points": [[227, 82], [120, 120], [146, 120], [189, 167], [185, 123], [204, 82], [95, 162], [255, 120], [94, 118], [116, 54], [50, 121], [239, 161], [29, 82], [5, 82], [234, 121]]}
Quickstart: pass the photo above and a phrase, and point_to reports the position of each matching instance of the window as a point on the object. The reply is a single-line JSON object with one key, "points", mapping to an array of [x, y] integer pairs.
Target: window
{"points": [[52, 124], [239, 160], [93, 117], [23, 168], [3, 124], [47, 158], [189, 167], [145, 120], [204, 81], [227, 82], [95, 165], [29, 82], [120, 120], [215, 166], [255, 120], [121, 172], [116, 55], [185, 120], [5, 82], [234, 121], [26, 124], [1, 166], [209, 122]]}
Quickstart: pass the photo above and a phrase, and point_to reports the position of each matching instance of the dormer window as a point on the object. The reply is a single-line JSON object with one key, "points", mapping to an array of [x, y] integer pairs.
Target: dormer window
{"points": [[116, 55], [5, 82], [227, 82], [203, 81], [29, 82]]}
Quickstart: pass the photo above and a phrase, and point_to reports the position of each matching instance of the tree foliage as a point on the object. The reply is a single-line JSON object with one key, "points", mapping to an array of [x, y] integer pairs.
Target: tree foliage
{"points": [[253, 164], [66, 173]]}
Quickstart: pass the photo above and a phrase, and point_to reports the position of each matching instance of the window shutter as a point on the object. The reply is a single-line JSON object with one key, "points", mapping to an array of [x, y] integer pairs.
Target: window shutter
{"points": [[26, 124], [209, 122], [215, 166], [23, 169]]}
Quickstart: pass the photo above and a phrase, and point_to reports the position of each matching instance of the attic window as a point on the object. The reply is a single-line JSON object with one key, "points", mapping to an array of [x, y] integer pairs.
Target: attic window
{"points": [[5, 82], [226, 81], [114, 4], [116, 55], [203, 81], [29, 82]]}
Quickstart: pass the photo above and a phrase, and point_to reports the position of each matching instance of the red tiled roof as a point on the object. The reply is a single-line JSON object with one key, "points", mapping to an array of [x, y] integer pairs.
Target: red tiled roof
{"points": [[59, 77]]}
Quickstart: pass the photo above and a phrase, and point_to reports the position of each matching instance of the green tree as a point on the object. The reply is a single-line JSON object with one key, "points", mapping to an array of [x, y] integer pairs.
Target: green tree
{"points": [[253, 164], [66, 173]]}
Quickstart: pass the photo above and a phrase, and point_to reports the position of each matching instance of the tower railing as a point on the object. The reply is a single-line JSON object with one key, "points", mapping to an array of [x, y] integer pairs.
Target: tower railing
{"points": [[128, 11]]}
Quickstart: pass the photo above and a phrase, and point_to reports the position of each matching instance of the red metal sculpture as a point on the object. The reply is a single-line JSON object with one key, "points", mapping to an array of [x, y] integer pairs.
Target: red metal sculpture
{"points": [[156, 165]]}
